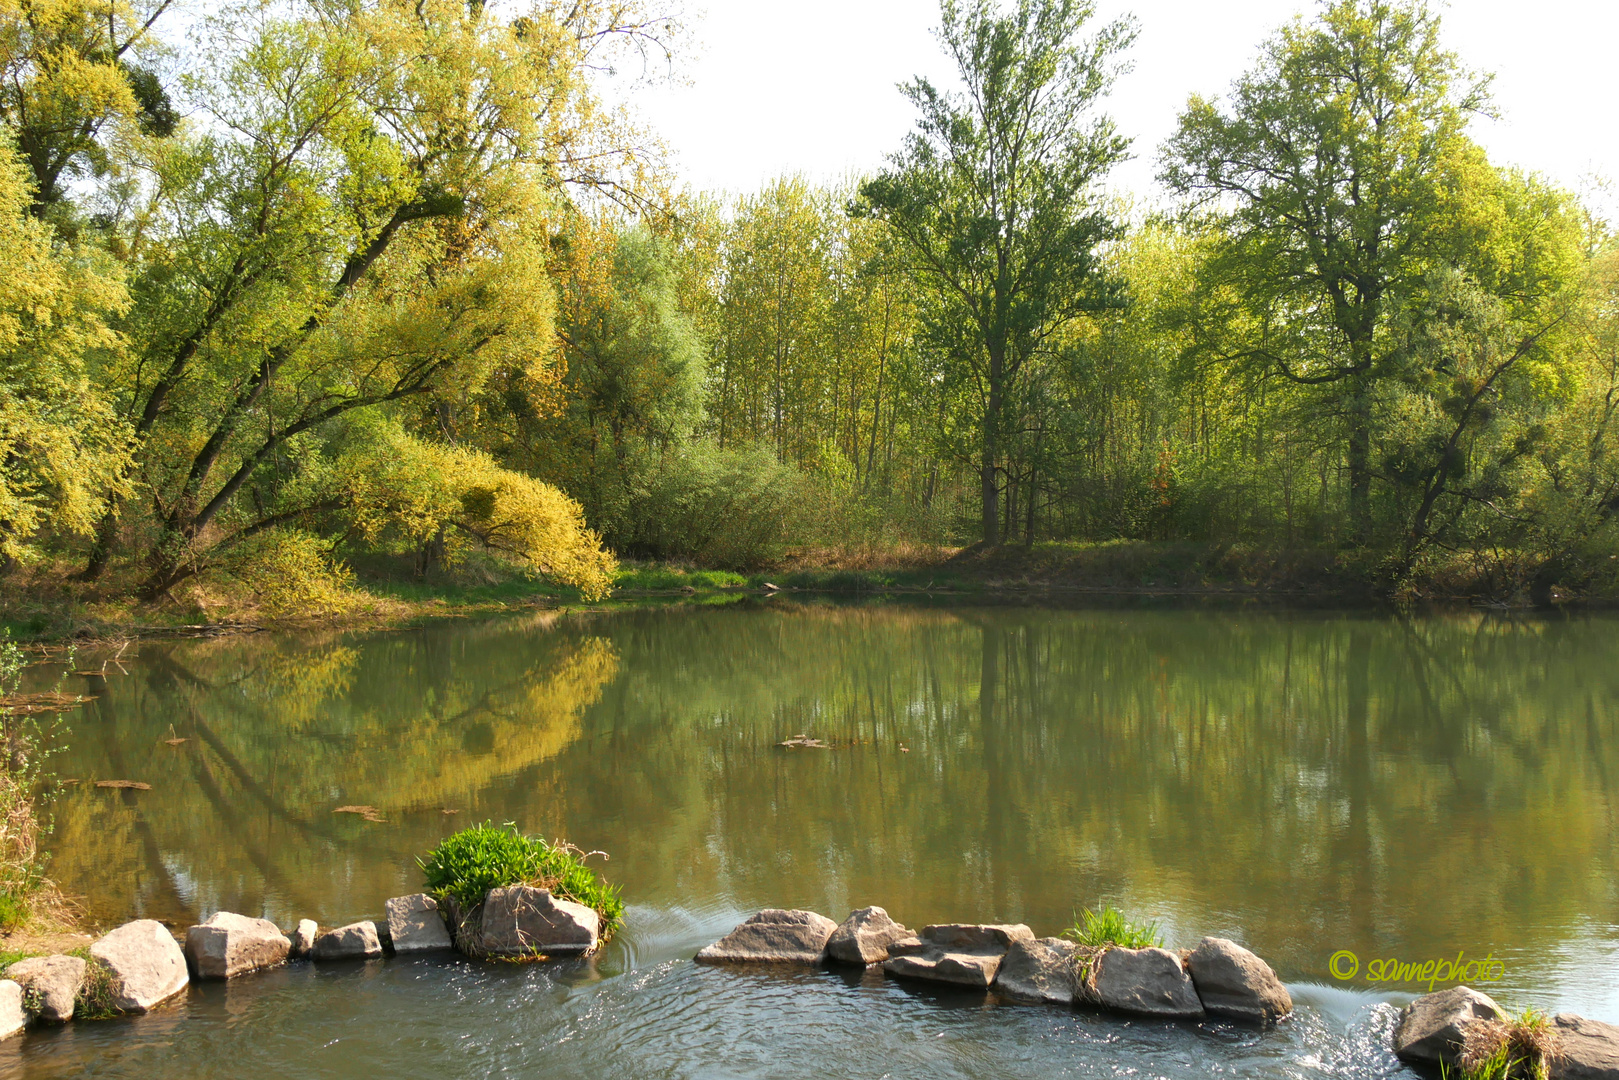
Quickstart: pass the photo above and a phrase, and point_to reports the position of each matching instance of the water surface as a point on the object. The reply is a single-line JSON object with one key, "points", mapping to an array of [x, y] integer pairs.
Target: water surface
{"points": [[1301, 782]]}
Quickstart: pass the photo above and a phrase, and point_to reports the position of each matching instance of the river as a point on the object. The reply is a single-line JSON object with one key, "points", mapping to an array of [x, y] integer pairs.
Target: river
{"points": [[1307, 783]]}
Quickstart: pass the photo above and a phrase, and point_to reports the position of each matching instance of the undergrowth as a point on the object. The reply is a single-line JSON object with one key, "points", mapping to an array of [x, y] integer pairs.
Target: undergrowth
{"points": [[467, 864]]}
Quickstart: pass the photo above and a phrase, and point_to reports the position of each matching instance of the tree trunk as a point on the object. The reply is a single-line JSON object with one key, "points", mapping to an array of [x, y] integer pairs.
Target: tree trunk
{"points": [[1360, 470]]}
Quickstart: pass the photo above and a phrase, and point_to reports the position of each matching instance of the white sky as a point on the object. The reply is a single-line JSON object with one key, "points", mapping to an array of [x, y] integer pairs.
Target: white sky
{"points": [[782, 87]]}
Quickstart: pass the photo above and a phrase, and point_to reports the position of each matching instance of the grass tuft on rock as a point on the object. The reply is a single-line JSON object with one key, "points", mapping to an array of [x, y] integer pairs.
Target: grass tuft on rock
{"points": [[1511, 1048], [467, 864], [94, 1000], [1110, 928]]}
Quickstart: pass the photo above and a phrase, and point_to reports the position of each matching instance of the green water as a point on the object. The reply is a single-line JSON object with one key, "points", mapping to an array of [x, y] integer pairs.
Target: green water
{"points": [[1303, 782]]}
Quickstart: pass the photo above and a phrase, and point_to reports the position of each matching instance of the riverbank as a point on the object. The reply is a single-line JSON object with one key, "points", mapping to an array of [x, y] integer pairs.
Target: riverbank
{"points": [[44, 605]]}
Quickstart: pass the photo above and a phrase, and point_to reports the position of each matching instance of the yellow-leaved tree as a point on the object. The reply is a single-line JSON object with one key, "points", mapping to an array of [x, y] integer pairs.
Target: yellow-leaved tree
{"points": [[61, 448]]}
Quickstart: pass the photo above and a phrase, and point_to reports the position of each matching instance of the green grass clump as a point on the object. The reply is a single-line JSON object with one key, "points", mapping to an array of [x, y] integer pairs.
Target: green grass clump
{"points": [[1510, 1048], [94, 1000], [469, 863], [1111, 928]]}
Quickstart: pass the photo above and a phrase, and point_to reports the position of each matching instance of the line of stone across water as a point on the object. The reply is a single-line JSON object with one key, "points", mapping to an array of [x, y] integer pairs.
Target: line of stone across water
{"points": [[140, 966]]}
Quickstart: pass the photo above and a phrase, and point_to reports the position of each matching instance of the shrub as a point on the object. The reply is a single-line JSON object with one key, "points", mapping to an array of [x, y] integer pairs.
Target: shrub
{"points": [[293, 573], [1111, 928], [728, 508], [467, 864]]}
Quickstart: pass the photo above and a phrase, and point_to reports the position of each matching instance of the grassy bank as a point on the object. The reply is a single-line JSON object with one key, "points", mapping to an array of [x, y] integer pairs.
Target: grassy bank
{"points": [[45, 605]]}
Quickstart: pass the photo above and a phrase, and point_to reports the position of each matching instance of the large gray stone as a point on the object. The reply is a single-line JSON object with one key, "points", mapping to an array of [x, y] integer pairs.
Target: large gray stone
{"points": [[50, 985], [303, 939], [228, 945], [964, 954], [1234, 983], [1432, 1028], [1147, 981], [520, 920], [356, 941], [13, 1017], [416, 925], [1040, 969], [864, 937], [1587, 1049], [145, 965], [773, 936]]}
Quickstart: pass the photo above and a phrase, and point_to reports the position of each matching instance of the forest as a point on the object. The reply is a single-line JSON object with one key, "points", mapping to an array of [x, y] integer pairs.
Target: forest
{"points": [[303, 291]]}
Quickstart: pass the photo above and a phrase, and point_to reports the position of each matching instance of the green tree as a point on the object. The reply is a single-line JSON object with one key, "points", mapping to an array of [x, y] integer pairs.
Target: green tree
{"points": [[1341, 175], [992, 196], [366, 218]]}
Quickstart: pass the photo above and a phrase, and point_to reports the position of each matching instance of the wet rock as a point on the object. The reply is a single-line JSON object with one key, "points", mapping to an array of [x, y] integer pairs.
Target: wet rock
{"points": [[520, 920], [1588, 1050], [50, 985], [1147, 981], [228, 945], [864, 937], [1041, 969], [773, 936], [13, 1018], [144, 963], [964, 954], [1234, 983], [356, 941], [1431, 1028], [303, 939], [416, 924]]}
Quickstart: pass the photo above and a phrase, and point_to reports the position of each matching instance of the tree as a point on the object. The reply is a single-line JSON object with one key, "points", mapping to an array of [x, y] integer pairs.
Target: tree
{"points": [[66, 74], [367, 216], [61, 447], [1341, 174], [992, 195]]}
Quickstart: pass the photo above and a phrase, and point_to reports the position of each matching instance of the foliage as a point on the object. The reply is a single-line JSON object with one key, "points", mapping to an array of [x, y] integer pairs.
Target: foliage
{"points": [[991, 198], [1110, 928], [62, 450], [467, 864], [728, 508]]}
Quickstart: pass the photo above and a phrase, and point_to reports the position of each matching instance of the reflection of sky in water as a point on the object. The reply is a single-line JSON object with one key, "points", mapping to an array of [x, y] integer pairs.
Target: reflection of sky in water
{"points": [[1301, 783]]}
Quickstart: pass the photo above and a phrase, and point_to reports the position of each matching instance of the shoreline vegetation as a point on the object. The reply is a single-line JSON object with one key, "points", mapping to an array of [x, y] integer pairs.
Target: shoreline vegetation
{"points": [[48, 611]]}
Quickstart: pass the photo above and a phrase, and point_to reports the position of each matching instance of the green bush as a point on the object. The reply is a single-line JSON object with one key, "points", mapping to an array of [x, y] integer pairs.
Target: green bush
{"points": [[725, 508], [469, 863], [1111, 928]]}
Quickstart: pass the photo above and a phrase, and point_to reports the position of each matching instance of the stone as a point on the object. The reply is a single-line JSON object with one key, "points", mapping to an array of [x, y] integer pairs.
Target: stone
{"points": [[520, 920], [416, 925], [13, 1017], [1431, 1029], [864, 937], [1039, 969], [50, 985], [1151, 982], [1587, 1049], [145, 965], [965, 954], [1234, 983], [228, 945], [356, 941], [303, 939], [773, 936], [975, 937]]}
